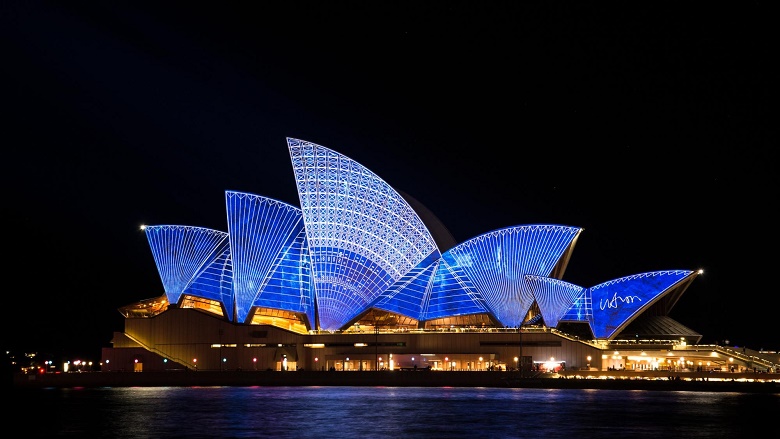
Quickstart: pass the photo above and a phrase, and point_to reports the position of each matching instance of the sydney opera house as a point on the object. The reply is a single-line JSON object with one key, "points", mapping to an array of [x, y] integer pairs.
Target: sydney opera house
{"points": [[364, 277]]}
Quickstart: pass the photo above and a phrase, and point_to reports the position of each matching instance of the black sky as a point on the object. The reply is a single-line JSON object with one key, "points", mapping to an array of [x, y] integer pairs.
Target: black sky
{"points": [[647, 125]]}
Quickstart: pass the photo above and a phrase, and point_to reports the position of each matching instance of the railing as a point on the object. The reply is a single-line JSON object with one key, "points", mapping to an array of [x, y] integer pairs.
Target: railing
{"points": [[159, 352], [747, 356]]}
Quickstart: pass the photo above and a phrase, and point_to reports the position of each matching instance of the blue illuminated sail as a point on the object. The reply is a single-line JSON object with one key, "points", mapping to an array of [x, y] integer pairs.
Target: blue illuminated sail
{"points": [[270, 268], [363, 236], [191, 259], [617, 302], [497, 262]]}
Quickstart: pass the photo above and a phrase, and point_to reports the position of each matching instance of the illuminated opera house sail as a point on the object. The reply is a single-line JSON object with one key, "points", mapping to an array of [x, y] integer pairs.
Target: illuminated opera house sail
{"points": [[358, 254]]}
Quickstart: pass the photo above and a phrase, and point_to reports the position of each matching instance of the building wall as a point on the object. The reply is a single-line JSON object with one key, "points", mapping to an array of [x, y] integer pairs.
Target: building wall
{"points": [[190, 339]]}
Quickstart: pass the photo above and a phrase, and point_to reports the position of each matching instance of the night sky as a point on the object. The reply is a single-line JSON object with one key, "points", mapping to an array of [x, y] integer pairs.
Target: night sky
{"points": [[647, 125]]}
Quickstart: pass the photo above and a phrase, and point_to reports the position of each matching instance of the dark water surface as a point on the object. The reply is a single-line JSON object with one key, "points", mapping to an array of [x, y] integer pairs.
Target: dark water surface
{"points": [[386, 412]]}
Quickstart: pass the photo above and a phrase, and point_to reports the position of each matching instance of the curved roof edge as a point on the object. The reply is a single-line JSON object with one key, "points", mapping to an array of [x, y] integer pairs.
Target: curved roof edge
{"points": [[441, 235]]}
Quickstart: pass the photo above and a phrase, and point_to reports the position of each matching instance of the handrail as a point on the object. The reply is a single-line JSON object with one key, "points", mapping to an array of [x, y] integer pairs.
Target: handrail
{"points": [[159, 352]]}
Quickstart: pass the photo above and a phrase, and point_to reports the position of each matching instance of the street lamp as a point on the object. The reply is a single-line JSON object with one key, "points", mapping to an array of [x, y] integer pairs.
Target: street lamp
{"points": [[516, 362], [589, 358]]}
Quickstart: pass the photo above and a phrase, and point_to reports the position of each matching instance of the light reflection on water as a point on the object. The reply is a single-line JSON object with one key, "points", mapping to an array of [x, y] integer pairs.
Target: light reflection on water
{"points": [[390, 412]]}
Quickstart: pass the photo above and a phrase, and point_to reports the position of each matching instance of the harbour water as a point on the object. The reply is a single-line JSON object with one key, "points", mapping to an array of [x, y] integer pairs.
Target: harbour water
{"points": [[386, 412]]}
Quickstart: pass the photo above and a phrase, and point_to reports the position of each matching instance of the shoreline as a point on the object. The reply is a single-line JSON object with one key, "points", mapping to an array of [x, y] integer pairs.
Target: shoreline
{"points": [[389, 379]]}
